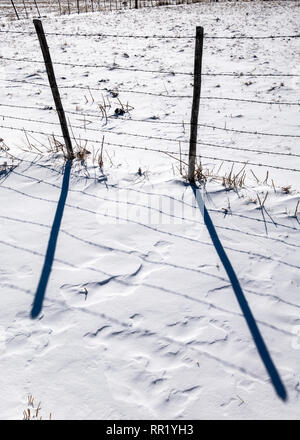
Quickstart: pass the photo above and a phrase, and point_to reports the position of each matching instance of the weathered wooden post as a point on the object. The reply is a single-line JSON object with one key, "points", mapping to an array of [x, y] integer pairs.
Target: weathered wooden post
{"points": [[136, 4], [52, 81], [25, 9], [37, 8], [196, 102], [15, 9]]}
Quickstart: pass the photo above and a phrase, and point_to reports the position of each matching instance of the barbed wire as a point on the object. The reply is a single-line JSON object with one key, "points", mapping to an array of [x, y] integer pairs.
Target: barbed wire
{"points": [[116, 67], [164, 37], [249, 37], [167, 152], [152, 121], [163, 72], [258, 133], [104, 89], [161, 95], [250, 100], [143, 121], [96, 66]]}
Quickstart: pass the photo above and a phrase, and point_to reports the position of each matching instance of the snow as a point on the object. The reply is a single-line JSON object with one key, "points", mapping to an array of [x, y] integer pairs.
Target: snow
{"points": [[139, 318]]}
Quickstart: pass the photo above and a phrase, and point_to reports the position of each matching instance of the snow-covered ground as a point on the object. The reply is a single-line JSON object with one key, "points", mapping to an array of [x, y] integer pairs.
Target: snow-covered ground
{"points": [[134, 315], [22, 9]]}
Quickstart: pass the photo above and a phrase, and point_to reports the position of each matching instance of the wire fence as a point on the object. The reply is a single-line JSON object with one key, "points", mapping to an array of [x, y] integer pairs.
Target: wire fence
{"points": [[154, 36], [146, 121], [173, 154], [24, 9], [161, 72], [160, 95], [101, 115]]}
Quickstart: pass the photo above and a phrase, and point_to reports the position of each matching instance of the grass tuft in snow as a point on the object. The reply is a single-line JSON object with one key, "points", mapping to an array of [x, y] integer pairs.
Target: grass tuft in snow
{"points": [[33, 412]]}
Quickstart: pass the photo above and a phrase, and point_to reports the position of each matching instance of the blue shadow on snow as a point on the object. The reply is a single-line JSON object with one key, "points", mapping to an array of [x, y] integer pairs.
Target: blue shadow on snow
{"points": [[49, 257], [254, 330]]}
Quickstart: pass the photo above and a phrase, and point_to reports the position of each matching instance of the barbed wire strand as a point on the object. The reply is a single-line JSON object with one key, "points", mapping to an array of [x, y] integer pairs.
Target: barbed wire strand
{"points": [[100, 34], [162, 72], [116, 89], [152, 121]]}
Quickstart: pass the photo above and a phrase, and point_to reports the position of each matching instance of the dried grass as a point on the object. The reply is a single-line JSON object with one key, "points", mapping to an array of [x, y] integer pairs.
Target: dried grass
{"points": [[33, 412]]}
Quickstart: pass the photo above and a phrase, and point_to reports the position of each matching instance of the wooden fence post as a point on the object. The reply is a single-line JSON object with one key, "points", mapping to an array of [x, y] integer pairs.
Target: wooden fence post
{"points": [[25, 9], [15, 9], [37, 8], [196, 102], [136, 4], [78, 7], [52, 81]]}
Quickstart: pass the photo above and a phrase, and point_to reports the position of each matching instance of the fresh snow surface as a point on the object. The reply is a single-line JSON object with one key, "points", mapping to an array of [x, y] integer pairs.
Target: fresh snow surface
{"points": [[139, 318]]}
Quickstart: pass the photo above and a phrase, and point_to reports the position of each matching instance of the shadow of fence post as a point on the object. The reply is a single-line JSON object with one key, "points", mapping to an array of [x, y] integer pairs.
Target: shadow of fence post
{"points": [[254, 330], [49, 257]]}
